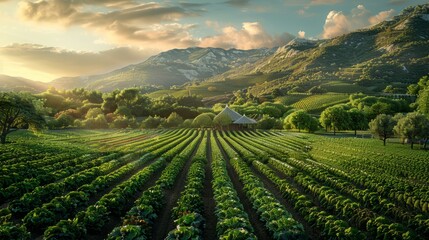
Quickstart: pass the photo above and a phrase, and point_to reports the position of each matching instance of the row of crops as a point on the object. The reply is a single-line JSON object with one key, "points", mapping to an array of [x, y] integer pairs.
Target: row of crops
{"points": [[318, 102], [205, 184]]}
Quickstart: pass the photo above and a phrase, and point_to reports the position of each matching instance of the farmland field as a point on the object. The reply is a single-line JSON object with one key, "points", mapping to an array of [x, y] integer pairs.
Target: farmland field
{"points": [[187, 183], [317, 103]]}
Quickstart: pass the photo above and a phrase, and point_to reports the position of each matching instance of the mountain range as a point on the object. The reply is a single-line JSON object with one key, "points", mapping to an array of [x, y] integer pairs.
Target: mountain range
{"points": [[173, 67], [393, 52]]}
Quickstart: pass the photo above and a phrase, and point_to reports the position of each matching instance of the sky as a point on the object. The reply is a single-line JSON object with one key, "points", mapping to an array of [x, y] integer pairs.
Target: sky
{"points": [[46, 39]]}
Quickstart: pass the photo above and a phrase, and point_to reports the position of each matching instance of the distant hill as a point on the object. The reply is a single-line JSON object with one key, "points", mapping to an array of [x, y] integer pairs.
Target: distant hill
{"points": [[173, 67], [393, 53], [8, 83]]}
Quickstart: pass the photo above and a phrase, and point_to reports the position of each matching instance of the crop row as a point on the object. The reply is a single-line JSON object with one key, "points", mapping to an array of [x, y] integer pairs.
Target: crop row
{"points": [[232, 220], [337, 203], [138, 221], [188, 212], [278, 221]]}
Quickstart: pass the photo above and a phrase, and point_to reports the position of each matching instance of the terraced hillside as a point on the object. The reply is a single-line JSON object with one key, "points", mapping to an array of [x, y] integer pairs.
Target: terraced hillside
{"points": [[184, 183]]}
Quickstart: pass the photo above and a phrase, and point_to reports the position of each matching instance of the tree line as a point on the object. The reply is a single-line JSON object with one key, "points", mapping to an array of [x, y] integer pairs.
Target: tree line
{"points": [[132, 108]]}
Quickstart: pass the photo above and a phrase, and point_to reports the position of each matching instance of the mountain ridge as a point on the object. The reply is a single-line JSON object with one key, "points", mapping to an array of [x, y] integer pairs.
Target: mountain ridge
{"points": [[173, 67], [11, 83], [392, 52]]}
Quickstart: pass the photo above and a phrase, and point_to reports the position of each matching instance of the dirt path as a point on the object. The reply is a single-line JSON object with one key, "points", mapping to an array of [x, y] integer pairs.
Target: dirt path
{"points": [[164, 222], [208, 198], [260, 230]]}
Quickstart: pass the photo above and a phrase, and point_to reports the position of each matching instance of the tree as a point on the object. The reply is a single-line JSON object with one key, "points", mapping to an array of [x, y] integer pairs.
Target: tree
{"points": [[123, 111], [64, 120], [398, 128], [413, 126], [423, 101], [94, 96], [152, 122], [272, 111], [312, 125], [54, 101], [131, 98], [187, 123], [382, 126], [17, 111], [123, 122], [93, 113], [388, 89], [109, 104], [190, 101], [301, 120], [357, 120], [335, 118], [413, 89], [203, 120], [174, 120], [98, 122], [297, 119], [266, 122], [222, 120]]}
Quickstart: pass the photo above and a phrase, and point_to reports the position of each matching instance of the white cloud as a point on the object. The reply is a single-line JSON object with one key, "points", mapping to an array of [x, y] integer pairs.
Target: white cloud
{"points": [[124, 23], [337, 23], [381, 16], [251, 35]]}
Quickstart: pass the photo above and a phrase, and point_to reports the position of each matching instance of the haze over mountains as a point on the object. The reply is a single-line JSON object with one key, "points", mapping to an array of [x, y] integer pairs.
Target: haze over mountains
{"points": [[173, 67], [393, 52]]}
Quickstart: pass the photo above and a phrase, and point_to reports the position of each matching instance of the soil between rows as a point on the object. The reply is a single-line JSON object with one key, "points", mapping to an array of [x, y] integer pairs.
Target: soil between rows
{"points": [[208, 197], [259, 228], [115, 220], [165, 222]]}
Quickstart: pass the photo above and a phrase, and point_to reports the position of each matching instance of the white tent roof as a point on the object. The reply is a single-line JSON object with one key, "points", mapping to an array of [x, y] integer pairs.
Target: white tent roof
{"points": [[245, 120], [230, 113]]}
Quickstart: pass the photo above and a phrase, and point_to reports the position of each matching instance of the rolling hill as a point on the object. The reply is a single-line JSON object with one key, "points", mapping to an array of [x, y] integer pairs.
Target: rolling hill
{"points": [[173, 67], [8, 83], [392, 52]]}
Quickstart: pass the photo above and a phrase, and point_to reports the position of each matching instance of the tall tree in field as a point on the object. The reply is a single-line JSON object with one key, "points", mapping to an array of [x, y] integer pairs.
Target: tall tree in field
{"points": [[358, 120], [301, 120], [17, 111], [382, 126], [423, 101], [335, 118], [413, 127], [298, 119]]}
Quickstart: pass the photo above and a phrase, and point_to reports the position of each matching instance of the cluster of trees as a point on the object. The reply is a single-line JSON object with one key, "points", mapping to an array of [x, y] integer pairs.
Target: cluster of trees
{"points": [[117, 109], [131, 108], [412, 127], [421, 90]]}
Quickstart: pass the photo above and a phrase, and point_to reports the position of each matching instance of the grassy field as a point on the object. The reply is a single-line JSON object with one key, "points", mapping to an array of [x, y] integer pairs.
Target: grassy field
{"points": [[168, 184]]}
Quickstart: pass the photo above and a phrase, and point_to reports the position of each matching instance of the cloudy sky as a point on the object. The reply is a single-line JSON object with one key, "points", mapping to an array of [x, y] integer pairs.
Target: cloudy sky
{"points": [[46, 39]]}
